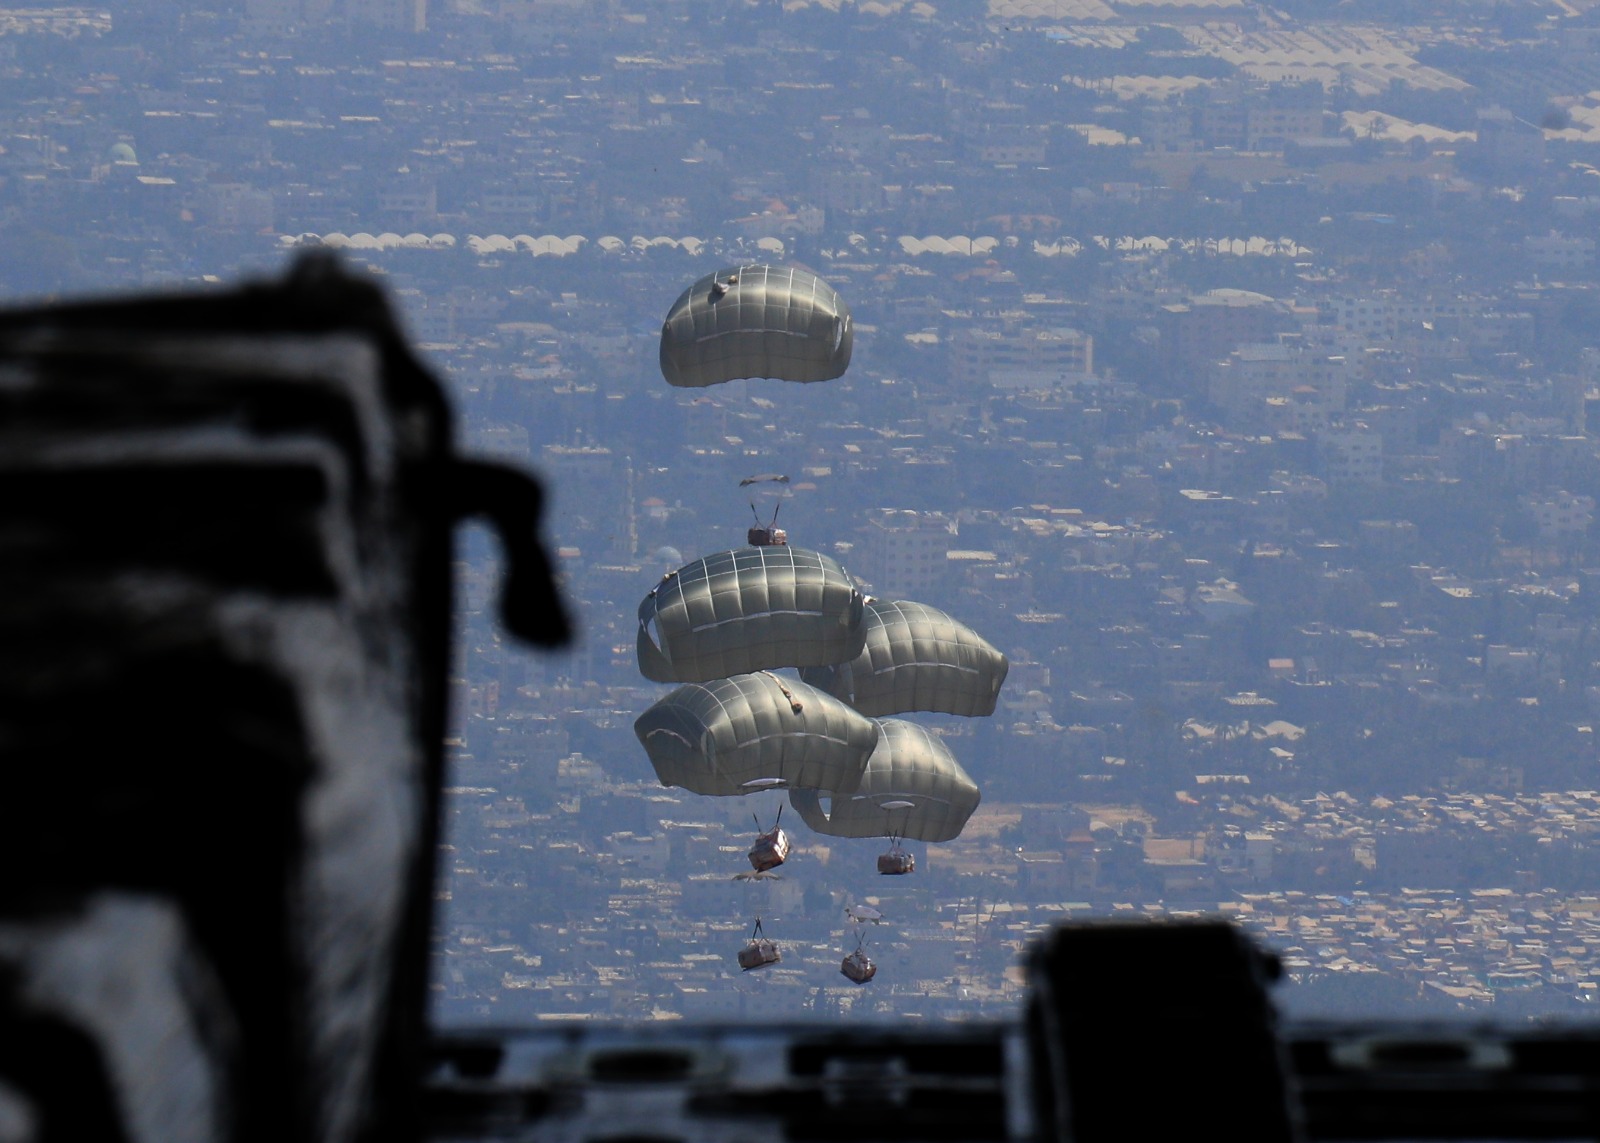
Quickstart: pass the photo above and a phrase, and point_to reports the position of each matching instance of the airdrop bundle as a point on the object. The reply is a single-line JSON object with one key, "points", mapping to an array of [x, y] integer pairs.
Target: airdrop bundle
{"points": [[720, 627]]}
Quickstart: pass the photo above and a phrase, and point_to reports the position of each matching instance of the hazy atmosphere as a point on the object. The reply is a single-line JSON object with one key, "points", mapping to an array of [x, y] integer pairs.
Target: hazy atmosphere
{"points": [[1208, 380]]}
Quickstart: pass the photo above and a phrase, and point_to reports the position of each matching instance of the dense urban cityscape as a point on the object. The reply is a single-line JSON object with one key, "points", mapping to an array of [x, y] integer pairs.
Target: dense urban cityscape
{"points": [[1226, 365]]}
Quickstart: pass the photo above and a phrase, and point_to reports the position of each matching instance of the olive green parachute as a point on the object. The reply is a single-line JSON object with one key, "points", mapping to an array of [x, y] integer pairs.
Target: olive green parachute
{"points": [[916, 658], [913, 787], [756, 321], [749, 609], [755, 732]]}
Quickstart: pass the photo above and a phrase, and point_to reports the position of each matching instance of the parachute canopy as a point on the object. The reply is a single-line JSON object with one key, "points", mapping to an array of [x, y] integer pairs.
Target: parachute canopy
{"points": [[916, 658], [755, 732], [913, 787], [756, 321], [749, 609]]}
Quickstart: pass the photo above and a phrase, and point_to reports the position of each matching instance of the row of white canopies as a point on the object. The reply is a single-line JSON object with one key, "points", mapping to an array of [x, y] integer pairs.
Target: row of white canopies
{"points": [[563, 246]]}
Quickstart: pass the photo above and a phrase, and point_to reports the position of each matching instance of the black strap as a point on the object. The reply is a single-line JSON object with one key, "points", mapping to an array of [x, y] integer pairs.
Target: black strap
{"points": [[512, 502]]}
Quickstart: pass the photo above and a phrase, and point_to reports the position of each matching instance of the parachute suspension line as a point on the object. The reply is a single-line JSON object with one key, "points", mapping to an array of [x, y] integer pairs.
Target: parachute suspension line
{"points": [[756, 932], [892, 832], [755, 817], [905, 821]]}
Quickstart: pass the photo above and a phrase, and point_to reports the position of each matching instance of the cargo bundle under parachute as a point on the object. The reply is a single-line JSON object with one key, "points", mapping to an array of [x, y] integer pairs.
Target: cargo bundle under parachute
{"points": [[771, 848], [774, 485], [759, 951], [858, 967], [897, 860]]}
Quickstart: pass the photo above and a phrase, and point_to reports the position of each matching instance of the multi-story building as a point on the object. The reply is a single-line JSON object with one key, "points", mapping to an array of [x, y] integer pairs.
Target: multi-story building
{"points": [[1351, 455], [1560, 515], [392, 15], [1268, 126], [903, 552], [1384, 315], [1211, 325], [1315, 385], [1018, 356]]}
